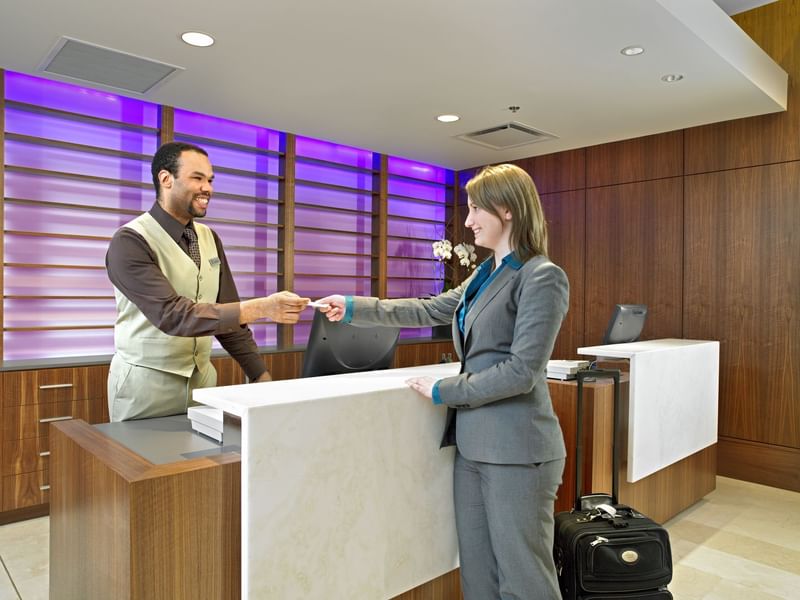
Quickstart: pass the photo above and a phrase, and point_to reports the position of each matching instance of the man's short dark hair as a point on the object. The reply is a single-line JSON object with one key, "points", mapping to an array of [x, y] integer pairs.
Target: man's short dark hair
{"points": [[167, 158]]}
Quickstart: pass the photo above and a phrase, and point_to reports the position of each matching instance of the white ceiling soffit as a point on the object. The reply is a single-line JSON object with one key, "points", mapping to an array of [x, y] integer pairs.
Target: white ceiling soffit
{"points": [[95, 65], [375, 74]]}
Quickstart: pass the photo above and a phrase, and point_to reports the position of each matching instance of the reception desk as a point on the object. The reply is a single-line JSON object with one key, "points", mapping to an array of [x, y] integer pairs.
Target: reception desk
{"points": [[344, 491], [673, 401]]}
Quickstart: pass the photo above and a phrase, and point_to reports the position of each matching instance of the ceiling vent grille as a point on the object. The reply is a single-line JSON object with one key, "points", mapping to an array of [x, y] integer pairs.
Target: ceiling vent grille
{"points": [[507, 135], [107, 67]]}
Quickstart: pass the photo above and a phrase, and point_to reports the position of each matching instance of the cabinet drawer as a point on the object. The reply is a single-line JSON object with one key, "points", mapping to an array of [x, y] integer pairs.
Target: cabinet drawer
{"points": [[23, 422], [27, 489], [25, 456], [22, 388]]}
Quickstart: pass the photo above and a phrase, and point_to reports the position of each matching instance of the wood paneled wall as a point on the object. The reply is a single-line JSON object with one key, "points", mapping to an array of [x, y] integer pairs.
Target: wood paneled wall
{"points": [[701, 225]]}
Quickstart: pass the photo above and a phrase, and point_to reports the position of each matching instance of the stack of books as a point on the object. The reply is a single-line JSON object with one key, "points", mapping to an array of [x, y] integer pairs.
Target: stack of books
{"points": [[565, 369], [207, 420]]}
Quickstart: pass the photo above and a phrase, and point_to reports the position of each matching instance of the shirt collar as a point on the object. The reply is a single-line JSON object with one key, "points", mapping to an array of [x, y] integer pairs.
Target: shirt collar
{"points": [[512, 261], [172, 226]]}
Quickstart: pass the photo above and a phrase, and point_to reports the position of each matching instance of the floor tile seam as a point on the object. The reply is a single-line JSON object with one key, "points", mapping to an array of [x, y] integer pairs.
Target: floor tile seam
{"points": [[10, 579]]}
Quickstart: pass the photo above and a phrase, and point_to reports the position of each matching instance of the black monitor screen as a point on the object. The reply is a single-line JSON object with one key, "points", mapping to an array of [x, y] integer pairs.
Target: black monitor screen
{"points": [[626, 324], [335, 348]]}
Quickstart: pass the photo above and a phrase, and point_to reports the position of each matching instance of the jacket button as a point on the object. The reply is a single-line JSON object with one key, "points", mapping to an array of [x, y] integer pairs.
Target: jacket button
{"points": [[200, 278]]}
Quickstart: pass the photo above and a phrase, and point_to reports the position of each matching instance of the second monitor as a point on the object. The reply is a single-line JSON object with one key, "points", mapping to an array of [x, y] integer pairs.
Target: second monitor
{"points": [[335, 348]]}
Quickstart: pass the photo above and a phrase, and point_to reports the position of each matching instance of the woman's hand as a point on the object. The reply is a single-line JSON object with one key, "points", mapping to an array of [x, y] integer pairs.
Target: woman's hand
{"points": [[422, 385], [335, 310]]}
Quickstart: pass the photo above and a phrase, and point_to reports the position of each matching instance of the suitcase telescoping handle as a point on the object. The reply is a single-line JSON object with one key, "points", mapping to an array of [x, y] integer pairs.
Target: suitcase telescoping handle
{"points": [[596, 374]]}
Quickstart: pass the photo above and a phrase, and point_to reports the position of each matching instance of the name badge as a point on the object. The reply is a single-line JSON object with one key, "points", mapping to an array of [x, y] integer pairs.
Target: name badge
{"points": [[214, 261]]}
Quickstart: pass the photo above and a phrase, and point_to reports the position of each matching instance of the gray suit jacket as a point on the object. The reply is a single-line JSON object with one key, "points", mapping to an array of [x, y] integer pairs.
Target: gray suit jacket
{"points": [[504, 413]]}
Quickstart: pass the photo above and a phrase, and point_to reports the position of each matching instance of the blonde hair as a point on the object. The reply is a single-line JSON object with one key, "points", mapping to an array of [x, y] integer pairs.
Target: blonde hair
{"points": [[507, 187]]}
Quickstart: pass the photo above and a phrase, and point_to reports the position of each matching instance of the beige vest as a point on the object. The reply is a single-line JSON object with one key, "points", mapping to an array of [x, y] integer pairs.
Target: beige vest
{"points": [[137, 340]]}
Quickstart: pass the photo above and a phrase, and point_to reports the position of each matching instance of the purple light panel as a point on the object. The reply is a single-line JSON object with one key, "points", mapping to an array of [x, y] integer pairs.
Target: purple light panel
{"points": [[251, 187], [421, 191], [426, 269], [332, 242], [412, 288], [333, 176], [70, 191], [410, 248], [46, 312], [244, 235], [333, 220], [421, 332], [417, 170], [346, 155], [35, 156], [254, 286], [216, 128], [46, 219], [416, 210], [332, 264], [222, 207], [301, 331], [263, 334], [415, 229], [220, 156], [308, 194], [81, 100], [77, 132], [319, 286], [25, 249], [27, 345], [22, 281], [248, 261]]}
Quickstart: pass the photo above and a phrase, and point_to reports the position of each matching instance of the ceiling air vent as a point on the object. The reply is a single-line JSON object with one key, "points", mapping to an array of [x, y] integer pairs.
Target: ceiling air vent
{"points": [[507, 135], [104, 66]]}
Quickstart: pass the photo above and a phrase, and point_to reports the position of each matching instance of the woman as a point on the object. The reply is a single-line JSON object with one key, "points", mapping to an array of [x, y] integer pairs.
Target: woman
{"points": [[509, 448]]}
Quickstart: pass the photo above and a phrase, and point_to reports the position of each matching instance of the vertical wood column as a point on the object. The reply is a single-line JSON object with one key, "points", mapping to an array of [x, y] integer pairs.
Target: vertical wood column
{"points": [[380, 226], [286, 232], [2, 199], [166, 124]]}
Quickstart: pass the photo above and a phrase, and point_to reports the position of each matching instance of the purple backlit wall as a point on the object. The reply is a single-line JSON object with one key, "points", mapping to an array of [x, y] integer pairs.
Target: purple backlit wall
{"points": [[76, 168]]}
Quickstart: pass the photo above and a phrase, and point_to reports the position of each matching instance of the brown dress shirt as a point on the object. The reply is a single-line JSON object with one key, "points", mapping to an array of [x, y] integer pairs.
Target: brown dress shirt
{"points": [[133, 269]]}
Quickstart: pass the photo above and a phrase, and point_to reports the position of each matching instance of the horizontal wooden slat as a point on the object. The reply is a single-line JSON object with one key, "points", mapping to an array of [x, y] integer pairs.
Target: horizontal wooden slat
{"points": [[40, 141], [336, 165], [73, 116], [200, 140]]}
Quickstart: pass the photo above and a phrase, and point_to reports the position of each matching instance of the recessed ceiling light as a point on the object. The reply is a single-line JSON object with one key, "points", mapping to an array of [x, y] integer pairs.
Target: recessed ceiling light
{"points": [[671, 77], [448, 118], [196, 38], [632, 51]]}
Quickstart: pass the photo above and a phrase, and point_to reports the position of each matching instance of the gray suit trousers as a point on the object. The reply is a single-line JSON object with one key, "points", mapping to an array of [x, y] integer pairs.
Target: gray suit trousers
{"points": [[504, 519]]}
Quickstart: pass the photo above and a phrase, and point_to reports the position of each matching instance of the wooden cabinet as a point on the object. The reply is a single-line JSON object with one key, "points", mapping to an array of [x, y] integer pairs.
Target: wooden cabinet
{"points": [[30, 401]]}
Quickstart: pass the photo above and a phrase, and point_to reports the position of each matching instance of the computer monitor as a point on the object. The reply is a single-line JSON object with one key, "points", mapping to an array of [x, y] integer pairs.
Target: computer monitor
{"points": [[626, 324], [335, 347]]}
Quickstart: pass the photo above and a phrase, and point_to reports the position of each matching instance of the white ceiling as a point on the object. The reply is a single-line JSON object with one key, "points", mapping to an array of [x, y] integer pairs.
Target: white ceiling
{"points": [[375, 73]]}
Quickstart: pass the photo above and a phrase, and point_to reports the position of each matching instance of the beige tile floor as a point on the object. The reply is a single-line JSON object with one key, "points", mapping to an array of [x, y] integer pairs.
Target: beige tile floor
{"points": [[740, 542]]}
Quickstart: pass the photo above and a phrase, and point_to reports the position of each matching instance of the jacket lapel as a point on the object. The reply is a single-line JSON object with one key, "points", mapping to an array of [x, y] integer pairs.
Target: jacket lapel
{"points": [[502, 280]]}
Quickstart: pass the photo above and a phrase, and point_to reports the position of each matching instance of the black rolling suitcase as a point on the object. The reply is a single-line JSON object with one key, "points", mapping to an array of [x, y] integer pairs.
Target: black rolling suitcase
{"points": [[605, 550]]}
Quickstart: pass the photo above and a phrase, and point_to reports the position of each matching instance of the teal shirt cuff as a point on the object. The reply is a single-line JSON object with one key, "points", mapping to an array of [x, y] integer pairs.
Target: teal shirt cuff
{"points": [[348, 309], [437, 399]]}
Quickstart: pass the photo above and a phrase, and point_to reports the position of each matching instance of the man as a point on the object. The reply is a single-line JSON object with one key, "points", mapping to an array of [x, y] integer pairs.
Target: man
{"points": [[174, 290]]}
